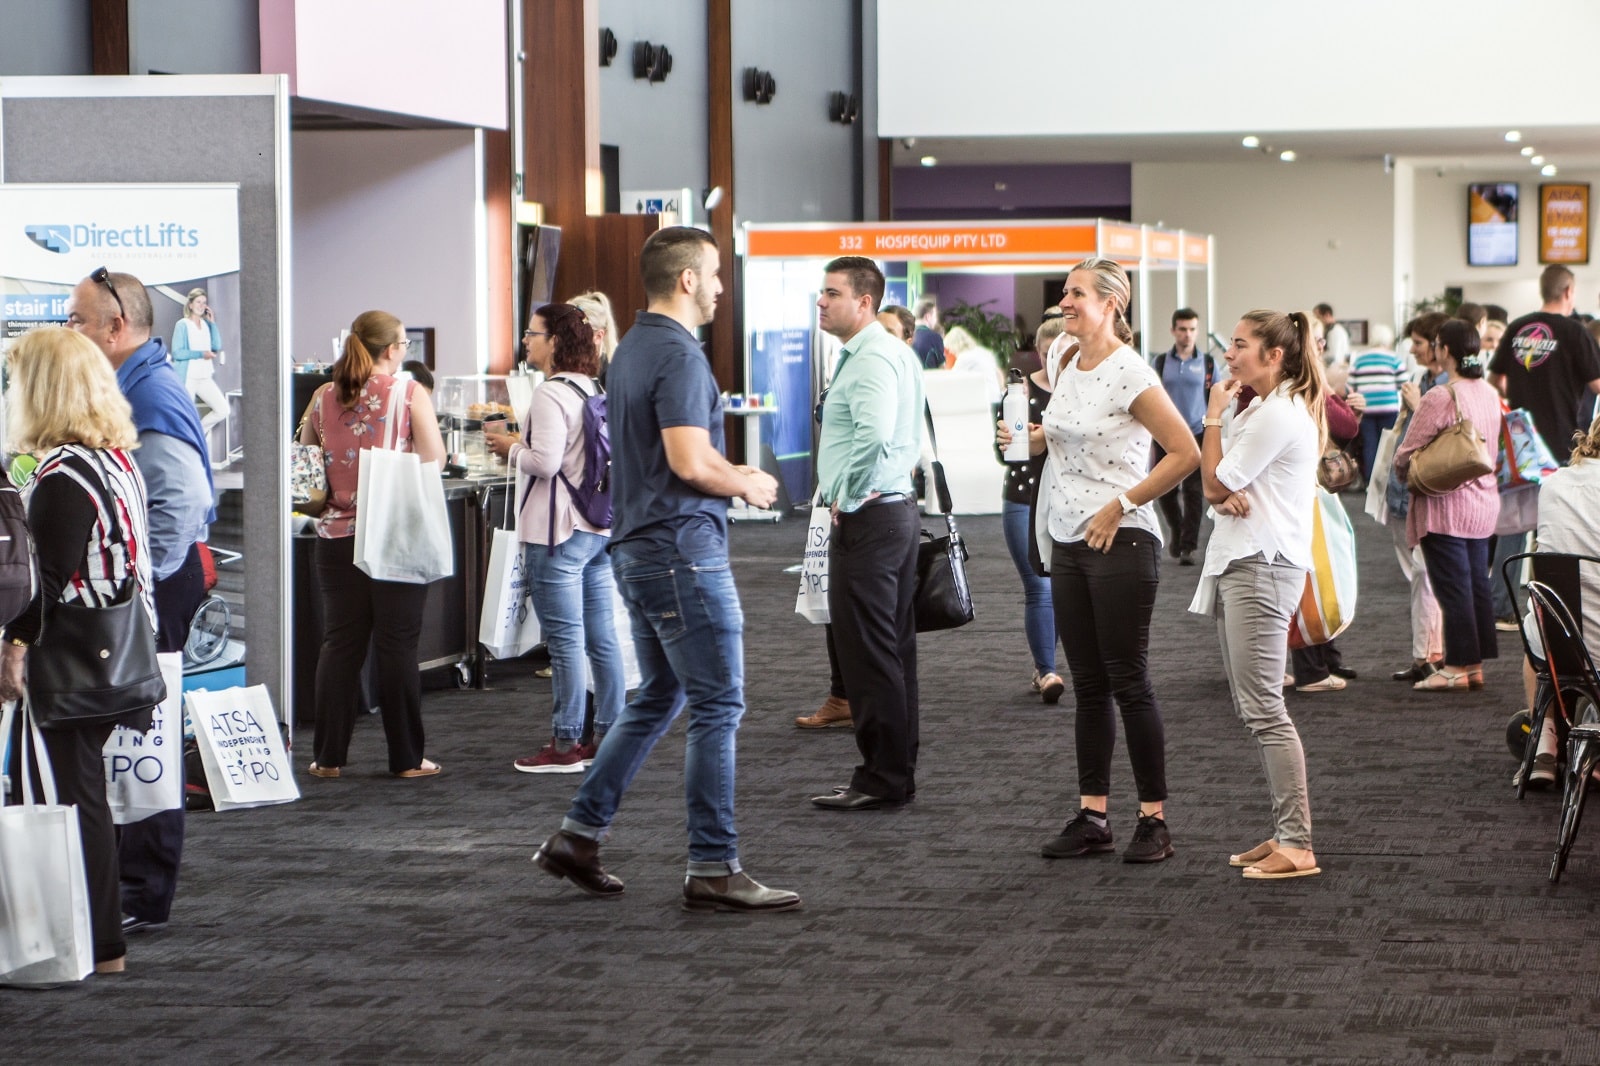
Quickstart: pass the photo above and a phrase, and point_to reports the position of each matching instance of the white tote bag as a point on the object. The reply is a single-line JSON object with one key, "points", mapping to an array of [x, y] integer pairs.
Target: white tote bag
{"points": [[45, 936], [812, 601], [1377, 505], [241, 747], [144, 771], [402, 526], [507, 627]]}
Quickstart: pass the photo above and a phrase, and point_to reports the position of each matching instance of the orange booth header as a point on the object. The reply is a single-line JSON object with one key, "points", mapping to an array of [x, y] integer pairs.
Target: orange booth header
{"points": [[922, 242], [974, 242]]}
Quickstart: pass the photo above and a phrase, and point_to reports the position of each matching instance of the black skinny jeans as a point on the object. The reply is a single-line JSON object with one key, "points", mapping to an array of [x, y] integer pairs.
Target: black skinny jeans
{"points": [[358, 610], [1103, 604]]}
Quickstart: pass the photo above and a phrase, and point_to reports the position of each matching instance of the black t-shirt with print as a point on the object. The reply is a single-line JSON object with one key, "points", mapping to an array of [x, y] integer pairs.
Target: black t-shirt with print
{"points": [[1548, 361]]}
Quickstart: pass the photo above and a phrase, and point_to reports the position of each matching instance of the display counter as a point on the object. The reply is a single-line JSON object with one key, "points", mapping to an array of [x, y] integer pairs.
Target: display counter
{"points": [[450, 620]]}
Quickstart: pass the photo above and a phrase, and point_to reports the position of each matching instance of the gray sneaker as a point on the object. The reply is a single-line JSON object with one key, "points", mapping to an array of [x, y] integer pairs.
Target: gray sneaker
{"points": [[1543, 775], [1079, 837]]}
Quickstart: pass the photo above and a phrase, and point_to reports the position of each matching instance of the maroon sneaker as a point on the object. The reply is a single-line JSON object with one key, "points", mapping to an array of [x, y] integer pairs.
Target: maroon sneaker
{"points": [[586, 753], [551, 761]]}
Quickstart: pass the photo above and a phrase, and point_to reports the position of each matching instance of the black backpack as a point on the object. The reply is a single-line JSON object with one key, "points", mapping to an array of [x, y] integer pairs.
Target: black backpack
{"points": [[19, 572]]}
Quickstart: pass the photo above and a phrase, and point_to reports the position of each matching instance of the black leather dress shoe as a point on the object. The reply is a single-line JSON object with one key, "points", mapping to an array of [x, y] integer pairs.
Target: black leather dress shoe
{"points": [[851, 800], [1342, 671], [1415, 672], [736, 892], [578, 860], [131, 925]]}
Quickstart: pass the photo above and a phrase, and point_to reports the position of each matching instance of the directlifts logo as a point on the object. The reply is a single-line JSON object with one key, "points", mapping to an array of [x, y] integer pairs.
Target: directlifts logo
{"points": [[61, 239]]}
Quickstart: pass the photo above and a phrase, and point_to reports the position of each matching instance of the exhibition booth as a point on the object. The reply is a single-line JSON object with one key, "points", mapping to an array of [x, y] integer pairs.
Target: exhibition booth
{"points": [[788, 359]]}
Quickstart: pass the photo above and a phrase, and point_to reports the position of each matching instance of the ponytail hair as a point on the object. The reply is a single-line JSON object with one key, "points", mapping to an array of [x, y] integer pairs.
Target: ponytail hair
{"points": [[1586, 443], [372, 331], [1301, 368], [1111, 283]]}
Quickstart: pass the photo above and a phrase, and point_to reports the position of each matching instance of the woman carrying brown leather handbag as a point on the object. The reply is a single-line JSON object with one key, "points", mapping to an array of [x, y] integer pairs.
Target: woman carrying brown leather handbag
{"points": [[1453, 527]]}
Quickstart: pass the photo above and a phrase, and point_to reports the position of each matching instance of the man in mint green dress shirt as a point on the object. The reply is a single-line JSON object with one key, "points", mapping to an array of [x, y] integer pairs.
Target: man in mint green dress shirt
{"points": [[871, 440]]}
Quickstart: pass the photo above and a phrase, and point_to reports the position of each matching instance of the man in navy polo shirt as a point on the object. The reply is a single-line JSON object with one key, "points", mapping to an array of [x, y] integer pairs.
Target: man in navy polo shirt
{"points": [[669, 548]]}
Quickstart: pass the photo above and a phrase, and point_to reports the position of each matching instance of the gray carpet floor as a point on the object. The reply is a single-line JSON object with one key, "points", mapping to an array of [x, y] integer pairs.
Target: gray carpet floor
{"points": [[386, 921]]}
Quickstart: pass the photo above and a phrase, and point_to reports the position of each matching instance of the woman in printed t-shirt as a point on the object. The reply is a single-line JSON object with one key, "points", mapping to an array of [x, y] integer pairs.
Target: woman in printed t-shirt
{"points": [[1098, 534], [346, 416], [1263, 489]]}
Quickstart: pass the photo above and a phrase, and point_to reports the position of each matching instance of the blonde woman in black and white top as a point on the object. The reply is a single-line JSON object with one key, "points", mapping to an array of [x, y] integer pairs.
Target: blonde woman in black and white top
{"points": [[1263, 488], [1101, 542]]}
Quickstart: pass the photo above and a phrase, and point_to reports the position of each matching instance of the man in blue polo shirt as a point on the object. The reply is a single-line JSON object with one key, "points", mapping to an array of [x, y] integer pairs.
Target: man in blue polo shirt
{"points": [[1187, 380], [669, 547], [114, 311]]}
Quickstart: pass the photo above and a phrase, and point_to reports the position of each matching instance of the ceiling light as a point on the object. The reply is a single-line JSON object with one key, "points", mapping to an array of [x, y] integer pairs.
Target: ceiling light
{"points": [[1251, 141], [928, 161], [1527, 150], [1287, 155], [1513, 136], [1548, 170], [1537, 160]]}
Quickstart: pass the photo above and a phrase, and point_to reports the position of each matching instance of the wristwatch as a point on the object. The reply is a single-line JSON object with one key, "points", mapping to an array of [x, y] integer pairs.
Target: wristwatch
{"points": [[1217, 422], [1128, 506]]}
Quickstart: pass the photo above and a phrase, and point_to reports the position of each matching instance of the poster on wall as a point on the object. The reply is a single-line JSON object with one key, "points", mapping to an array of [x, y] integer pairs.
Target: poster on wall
{"points": [[182, 243], [1492, 224], [780, 366], [1564, 223]]}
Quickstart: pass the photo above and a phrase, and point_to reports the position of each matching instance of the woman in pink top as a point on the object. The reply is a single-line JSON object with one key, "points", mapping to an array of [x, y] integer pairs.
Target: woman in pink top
{"points": [[564, 550], [346, 416], [1453, 530]]}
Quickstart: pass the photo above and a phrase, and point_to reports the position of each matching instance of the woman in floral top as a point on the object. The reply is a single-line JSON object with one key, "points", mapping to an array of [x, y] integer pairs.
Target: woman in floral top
{"points": [[347, 415]]}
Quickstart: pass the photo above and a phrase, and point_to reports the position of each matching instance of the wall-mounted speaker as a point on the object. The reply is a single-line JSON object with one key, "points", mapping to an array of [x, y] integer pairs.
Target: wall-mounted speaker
{"points": [[608, 46], [759, 86], [652, 62], [843, 108]]}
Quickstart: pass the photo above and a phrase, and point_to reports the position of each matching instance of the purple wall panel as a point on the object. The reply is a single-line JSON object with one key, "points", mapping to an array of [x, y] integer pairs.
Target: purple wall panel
{"points": [[1071, 189], [975, 289]]}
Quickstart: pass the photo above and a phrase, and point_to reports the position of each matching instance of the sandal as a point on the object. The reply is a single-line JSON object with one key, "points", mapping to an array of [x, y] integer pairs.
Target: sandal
{"points": [[322, 771], [1254, 855], [1444, 681], [1049, 687], [427, 769], [1475, 680], [1331, 683], [1279, 867]]}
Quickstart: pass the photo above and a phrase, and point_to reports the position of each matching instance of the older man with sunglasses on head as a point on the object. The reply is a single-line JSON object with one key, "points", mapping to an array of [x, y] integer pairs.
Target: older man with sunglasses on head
{"points": [[113, 310]]}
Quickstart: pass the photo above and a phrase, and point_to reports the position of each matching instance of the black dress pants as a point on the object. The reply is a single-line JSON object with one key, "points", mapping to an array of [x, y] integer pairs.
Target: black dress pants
{"points": [[1182, 506], [872, 574], [357, 610], [80, 774], [150, 851]]}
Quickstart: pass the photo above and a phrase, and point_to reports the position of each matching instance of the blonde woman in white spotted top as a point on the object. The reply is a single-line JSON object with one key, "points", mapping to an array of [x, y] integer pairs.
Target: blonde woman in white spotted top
{"points": [[1100, 540]]}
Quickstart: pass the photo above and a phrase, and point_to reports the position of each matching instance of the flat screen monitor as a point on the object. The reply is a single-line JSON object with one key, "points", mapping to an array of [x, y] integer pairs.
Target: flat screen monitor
{"points": [[1492, 224]]}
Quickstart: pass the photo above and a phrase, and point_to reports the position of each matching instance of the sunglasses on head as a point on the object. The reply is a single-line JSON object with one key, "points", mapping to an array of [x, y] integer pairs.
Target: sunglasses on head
{"points": [[103, 276]]}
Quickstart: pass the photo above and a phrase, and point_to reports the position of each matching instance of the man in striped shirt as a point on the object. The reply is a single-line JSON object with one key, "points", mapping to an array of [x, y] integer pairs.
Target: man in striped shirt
{"points": [[1376, 375]]}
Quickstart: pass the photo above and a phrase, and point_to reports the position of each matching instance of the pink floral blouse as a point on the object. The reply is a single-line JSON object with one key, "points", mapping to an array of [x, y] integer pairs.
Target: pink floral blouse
{"points": [[344, 433]]}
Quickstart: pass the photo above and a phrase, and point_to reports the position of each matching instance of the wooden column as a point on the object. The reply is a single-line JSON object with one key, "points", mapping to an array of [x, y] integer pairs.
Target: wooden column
{"points": [[726, 351], [561, 165], [504, 331], [108, 36]]}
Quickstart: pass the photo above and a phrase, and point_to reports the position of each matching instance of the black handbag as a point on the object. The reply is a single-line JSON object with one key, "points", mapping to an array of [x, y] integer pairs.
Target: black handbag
{"points": [[95, 664], [943, 599]]}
